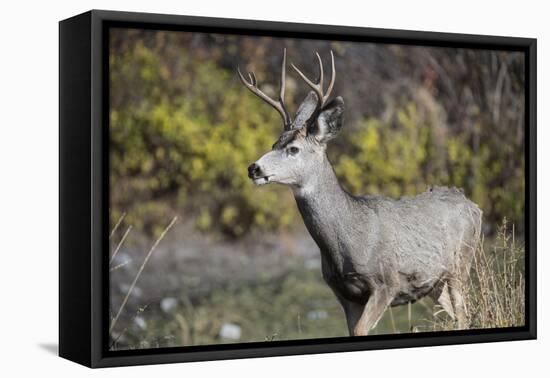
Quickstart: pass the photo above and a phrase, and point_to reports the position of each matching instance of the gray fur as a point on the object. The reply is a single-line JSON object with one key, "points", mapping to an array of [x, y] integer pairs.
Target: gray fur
{"points": [[376, 251], [305, 111]]}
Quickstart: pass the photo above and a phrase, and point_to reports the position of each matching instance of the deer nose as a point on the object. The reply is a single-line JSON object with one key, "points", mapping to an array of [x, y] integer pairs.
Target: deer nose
{"points": [[253, 169]]}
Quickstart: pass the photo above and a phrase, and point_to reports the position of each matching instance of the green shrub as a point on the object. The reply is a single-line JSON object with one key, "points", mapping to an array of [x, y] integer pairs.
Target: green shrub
{"points": [[190, 143], [184, 130]]}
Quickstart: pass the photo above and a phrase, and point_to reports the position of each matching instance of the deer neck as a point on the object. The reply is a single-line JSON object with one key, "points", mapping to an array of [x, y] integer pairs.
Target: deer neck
{"points": [[325, 208]]}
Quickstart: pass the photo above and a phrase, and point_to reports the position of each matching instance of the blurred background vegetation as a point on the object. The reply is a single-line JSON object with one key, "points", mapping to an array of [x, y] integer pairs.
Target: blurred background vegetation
{"points": [[183, 131]]}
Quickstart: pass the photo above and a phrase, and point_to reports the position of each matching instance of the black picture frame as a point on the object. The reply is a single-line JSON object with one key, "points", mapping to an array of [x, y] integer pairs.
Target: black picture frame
{"points": [[83, 194]]}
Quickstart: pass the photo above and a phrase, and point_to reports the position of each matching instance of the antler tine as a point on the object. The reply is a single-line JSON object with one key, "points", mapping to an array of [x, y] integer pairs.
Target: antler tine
{"points": [[282, 92], [252, 85], [321, 71], [315, 86], [332, 77], [283, 77], [318, 87]]}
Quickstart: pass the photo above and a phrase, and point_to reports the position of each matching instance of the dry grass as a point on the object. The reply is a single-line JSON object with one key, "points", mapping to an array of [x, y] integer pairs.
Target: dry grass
{"points": [[277, 308], [495, 297], [140, 270]]}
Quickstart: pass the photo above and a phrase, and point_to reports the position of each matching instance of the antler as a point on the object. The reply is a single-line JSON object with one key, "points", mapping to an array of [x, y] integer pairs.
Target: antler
{"points": [[318, 87], [279, 105]]}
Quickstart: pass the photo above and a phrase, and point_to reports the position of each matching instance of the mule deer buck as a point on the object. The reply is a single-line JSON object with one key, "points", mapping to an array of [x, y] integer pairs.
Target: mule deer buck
{"points": [[375, 251]]}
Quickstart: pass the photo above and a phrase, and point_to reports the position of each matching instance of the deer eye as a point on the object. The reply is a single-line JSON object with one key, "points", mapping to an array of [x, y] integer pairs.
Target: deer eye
{"points": [[293, 150]]}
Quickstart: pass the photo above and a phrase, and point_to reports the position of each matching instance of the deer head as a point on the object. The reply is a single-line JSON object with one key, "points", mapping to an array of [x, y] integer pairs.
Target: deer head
{"points": [[301, 147]]}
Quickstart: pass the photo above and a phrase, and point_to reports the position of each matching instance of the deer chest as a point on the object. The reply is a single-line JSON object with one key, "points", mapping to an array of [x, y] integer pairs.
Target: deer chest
{"points": [[349, 284]]}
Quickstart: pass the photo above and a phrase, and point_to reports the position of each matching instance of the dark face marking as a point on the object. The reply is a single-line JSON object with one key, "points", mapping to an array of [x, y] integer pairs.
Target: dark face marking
{"points": [[285, 138]]}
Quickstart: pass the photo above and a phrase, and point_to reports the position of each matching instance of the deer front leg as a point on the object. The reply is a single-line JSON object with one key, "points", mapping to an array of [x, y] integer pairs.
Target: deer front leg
{"points": [[378, 302], [353, 312]]}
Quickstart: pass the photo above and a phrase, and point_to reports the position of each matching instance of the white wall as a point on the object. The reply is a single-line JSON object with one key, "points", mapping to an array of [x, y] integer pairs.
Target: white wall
{"points": [[28, 190]]}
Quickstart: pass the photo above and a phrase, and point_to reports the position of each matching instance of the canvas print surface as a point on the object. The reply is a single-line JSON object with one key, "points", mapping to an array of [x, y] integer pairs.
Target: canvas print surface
{"points": [[267, 189]]}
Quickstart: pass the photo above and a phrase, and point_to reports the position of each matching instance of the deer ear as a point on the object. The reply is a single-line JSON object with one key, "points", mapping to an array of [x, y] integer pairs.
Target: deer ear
{"points": [[305, 110], [330, 120]]}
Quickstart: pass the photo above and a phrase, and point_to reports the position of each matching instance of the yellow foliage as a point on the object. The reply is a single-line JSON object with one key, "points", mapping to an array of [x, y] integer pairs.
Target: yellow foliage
{"points": [[182, 138], [194, 141]]}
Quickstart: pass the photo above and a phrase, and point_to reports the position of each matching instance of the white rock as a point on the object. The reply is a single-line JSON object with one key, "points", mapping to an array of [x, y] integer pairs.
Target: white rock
{"points": [[136, 292], [168, 304], [230, 332], [121, 257], [140, 322], [317, 315]]}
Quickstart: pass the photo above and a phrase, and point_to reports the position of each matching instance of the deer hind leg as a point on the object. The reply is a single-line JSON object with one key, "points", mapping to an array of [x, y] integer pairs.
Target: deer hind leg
{"points": [[459, 306], [378, 302], [458, 284], [450, 297], [444, 299]]}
